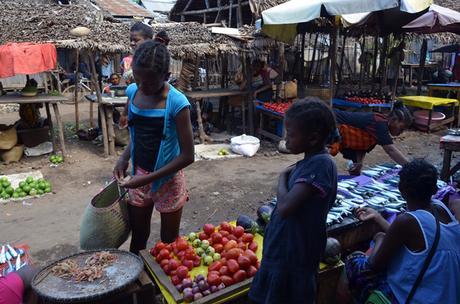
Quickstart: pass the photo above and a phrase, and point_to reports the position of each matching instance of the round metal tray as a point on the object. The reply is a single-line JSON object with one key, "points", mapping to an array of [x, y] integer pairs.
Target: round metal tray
{"points": [[124, 271]]}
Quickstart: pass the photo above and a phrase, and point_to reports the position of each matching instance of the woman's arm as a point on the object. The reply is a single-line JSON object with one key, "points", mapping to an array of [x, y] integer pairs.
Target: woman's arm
{"points": [[122, 164], [387, 245], [185, 158], [395, 154]]}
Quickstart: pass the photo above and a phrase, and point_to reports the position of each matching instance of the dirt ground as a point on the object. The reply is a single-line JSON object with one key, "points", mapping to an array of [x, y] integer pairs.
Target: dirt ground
{"points": [[220, 189]]}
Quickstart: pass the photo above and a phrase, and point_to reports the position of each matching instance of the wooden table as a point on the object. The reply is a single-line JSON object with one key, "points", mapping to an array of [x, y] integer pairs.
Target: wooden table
{"points": [[411, 66], [266, 113], [428, 103], [106, 114], [226, 92], [47, 100], [449, 144], [451, 86]]}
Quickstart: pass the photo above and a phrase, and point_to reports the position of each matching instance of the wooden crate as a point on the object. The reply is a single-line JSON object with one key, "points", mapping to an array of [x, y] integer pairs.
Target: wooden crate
{"points": [[324, 94], [327, 283], [169, 291]]}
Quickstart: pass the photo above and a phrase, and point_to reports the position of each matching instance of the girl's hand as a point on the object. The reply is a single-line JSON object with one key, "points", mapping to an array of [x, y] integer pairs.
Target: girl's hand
{"points": [[120, 169], [123, 123], [136, 182], [367, 214]]}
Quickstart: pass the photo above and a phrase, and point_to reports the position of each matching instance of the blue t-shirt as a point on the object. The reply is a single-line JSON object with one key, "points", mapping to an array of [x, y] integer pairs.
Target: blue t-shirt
{"points": [[293, 246]]}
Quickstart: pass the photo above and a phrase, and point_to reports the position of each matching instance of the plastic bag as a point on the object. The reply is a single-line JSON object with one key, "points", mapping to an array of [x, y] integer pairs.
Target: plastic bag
{"points": [[245, 145]]}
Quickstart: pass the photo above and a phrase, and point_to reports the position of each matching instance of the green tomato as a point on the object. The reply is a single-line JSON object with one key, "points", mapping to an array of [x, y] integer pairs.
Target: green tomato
{"points": [[205, 244], [22, 184], [196, 243], [199, 251], [59, 159], [41, 185], [22, 194], [15, 195], [216, 257], [33, 192], [40, 192], [2, 179], [29, 179], [40, 180], [5, 196], [9, 190], [48, 190], [210, 251], [33, 185], [26, 189], [6, 184], [192, 236], [47, 184], [207, 260]]}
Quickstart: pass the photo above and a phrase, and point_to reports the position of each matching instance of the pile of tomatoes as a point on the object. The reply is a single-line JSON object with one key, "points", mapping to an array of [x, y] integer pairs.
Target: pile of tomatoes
{"points": [[231, 251], [366, 100], [278, 107]]}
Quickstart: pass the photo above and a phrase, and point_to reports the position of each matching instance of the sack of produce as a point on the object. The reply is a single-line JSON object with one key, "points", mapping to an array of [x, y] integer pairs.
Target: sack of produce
{"points": [[13, 155], [105, 222], [8, 137], [245, 145]]}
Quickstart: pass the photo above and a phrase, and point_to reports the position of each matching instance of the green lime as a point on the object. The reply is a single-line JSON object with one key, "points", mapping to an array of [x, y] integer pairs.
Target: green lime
{"points": [[5, 196], [15, 195], [40, 180], [6, 184], [33, 192], [60, 159], [9, 190], [41, 186], [29, 179], [47, 184], [40, 192], [22, 194], [48, 190], [26, 189], [22, 184]]}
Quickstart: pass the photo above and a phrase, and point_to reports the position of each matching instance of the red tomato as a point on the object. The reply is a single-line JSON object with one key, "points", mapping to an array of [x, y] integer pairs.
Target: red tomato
{"points": [[225, 227], [233, 253], [190, 255], [224, 241], [188, 264], [203, 236], [247, 238], [230, 244], [216, 238], [159, 246], [251, 256], [231, 237], [227, 280], [239, 276], [233, 265], [208, 229], [182, 245], [224, 270], [169, 247], [166, 269], [153, 251], [175, 280], [181, 254], [251, 271], [173, 273], [238, 232], [164, 262], [242, 246], [224, 233], [253, 246], [223, 261], [244, 262], [197, 262], [218, 248], [215, 266], [258, 265], [182, 272], [164, 253], [173, 264], [214, 272], [214, 280]]}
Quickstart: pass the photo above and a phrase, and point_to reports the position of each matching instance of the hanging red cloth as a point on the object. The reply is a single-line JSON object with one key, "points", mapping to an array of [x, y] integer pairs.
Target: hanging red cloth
{"points": [[26, 58]]}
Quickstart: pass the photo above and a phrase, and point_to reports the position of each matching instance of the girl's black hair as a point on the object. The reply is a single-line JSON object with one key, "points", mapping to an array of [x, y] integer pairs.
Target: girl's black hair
{"points": [[313, 115], [163, 37], [152, 55], [419, 178], [401, 113], [145, 30]]}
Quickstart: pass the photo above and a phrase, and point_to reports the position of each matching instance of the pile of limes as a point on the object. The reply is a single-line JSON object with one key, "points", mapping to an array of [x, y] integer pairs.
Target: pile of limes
{"points": [[56, 159], [27, 187]]}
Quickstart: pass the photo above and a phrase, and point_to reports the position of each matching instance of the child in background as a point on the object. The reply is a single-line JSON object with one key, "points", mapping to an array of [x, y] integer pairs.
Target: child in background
{"points": [[161, 145], [295, 238]]}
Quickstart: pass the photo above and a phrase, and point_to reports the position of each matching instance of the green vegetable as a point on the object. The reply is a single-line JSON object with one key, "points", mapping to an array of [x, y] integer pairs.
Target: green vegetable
{"points": [[333, 250], [265, 212], [9, 190], [248, 224], [29, 179], [15, 195], [26, 188], [48, 190], [40, 192], [33, 192]]}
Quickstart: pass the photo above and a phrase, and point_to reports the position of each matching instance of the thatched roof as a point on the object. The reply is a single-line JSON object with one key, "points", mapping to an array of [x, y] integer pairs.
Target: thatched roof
{"points": [[190, 39], [46, 21]]}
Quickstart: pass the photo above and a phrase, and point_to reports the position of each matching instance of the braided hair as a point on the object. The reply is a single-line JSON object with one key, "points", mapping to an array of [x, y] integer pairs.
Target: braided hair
{"points": [[162, 37], [153, 56], [401, 113], [145, 30], [419, 179], [312, 115]]}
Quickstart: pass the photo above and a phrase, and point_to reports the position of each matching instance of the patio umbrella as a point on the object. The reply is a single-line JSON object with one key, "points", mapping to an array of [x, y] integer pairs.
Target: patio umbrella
{"points": [[281, 22], [437, 19]]}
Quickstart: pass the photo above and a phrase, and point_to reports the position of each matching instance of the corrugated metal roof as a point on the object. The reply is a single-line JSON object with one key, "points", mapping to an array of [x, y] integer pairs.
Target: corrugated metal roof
{"points": [[123, 8], [159, 5]]}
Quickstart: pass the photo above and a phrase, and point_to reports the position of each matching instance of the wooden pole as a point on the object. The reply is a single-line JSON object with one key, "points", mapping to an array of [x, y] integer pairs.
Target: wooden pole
{"points": [[361, 64], [249, 73], [335, 33], [77, 80], [374, 65], [230, 13], [383, 63], [310, 71], [104, 123], [219, 4], [301, 87], [423, 52], [342, 56], [240, 14]]}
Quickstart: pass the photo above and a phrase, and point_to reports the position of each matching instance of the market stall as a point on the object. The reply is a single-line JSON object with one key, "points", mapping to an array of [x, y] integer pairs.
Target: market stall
{"points": [[445, 87], [449, 144]]}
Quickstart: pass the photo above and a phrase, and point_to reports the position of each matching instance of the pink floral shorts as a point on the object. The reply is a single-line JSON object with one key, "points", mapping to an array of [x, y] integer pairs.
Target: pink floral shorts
{"points": [[169, 198]]}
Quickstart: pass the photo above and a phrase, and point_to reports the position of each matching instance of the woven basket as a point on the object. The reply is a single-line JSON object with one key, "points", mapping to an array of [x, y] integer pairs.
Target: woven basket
{"points": [[8, 137], [105, 222]]}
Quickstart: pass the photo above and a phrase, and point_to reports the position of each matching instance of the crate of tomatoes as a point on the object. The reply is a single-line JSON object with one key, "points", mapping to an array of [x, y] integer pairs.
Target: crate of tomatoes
{"points": [[214, 265]]}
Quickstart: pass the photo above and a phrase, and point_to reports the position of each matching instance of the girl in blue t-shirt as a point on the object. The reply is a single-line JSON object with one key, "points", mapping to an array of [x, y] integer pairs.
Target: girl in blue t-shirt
{"points": [[161, 145], [295, 238]]}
